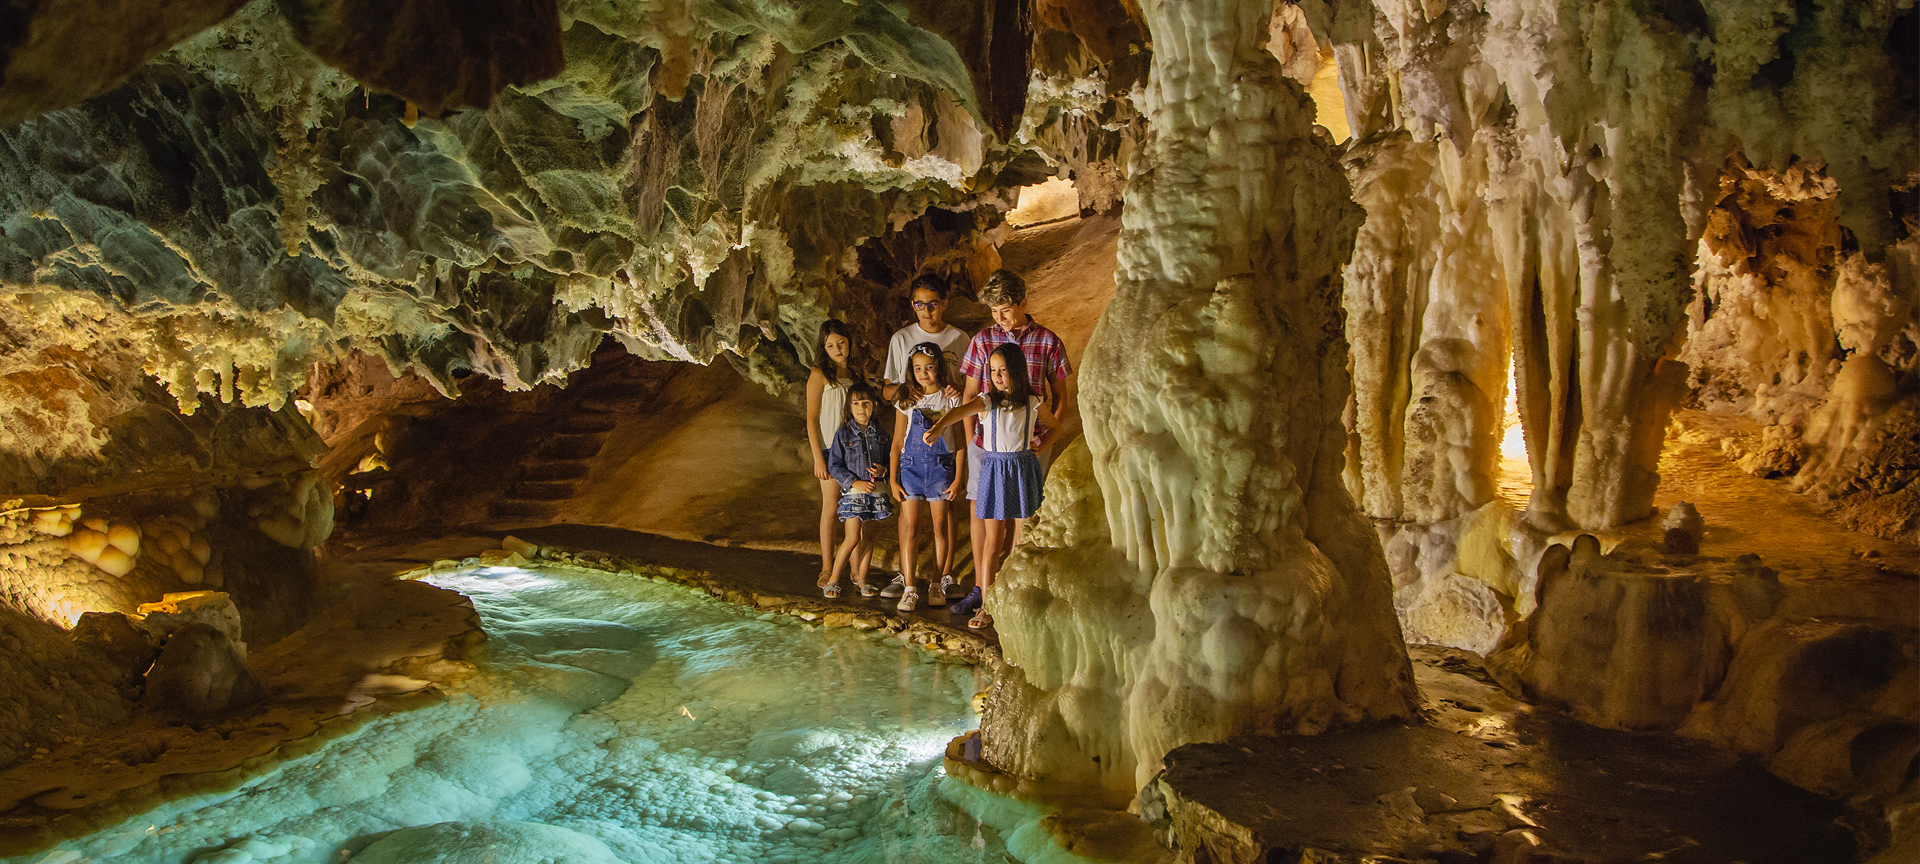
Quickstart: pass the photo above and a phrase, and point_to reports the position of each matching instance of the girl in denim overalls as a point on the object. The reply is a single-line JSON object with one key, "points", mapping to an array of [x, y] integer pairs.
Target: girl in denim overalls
{"points": [[925, 475]]}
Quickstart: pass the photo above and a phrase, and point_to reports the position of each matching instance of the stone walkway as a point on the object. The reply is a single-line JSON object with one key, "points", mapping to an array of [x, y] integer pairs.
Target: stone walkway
{"points": [[770, 580]]}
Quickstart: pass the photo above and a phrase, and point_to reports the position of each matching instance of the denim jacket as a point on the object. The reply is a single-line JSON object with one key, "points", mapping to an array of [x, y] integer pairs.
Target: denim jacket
{"points": [[854, 449]]}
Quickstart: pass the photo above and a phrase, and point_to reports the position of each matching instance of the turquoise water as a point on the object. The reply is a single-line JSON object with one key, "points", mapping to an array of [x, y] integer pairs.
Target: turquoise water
{"points": [[615, 720]]}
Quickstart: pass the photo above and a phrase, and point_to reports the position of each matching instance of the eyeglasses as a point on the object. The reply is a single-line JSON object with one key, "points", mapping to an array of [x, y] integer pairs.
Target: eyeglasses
{"points": [[923, 305]]}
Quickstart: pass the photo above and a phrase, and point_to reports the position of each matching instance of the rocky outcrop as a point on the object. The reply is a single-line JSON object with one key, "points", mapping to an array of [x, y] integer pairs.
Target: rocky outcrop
{"points": [[1816, 680], [200, 675], [1198, 570]]}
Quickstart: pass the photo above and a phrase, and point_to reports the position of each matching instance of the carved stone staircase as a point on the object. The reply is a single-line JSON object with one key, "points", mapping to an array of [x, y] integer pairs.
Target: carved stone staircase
{"points": [[549, 476]]}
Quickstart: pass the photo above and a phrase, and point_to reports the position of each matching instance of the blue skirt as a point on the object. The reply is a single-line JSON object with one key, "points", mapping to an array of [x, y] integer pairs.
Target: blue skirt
{"points": [[865, 506], [1009, 485]]}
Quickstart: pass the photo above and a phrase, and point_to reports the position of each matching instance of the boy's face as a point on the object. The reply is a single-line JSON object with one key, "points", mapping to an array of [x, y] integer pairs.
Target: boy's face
{"points": [[1011, 316], [861, 408], [928, 307]]}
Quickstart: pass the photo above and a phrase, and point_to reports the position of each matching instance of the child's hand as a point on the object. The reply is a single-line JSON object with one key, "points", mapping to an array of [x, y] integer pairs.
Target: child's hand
{"points": [[899, 492], [929, 437], [820, 468], [1041, 435], [953, 490], [952, 392], [875, 471], [863, 487]]}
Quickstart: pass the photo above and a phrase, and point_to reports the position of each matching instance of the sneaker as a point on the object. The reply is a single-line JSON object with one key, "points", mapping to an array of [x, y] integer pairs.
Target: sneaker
{"points": [[968, 604], [909, 600], [937, 594], [894, 588]]}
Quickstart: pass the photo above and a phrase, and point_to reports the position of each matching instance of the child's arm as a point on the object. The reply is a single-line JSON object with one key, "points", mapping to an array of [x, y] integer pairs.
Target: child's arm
{"points": [[837, 463], [900, 425], [816, 385], [976, 406], [1049, 424], [959, 478]]}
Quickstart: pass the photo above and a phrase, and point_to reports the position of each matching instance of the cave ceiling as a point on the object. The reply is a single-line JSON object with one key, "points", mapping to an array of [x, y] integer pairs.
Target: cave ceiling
{"points": [[489, 187]]}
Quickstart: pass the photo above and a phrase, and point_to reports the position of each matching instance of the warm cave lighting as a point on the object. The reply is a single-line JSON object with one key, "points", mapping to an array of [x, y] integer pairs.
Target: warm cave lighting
{"points": [[1050, 201]]}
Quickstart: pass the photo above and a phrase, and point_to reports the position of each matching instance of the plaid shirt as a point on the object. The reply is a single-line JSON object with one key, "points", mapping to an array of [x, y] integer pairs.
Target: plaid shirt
{"points": [[1046, 354]]}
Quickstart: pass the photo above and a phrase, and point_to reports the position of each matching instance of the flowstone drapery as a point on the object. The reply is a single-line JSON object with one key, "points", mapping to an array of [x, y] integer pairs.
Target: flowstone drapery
{"points": [[1199, 569]]}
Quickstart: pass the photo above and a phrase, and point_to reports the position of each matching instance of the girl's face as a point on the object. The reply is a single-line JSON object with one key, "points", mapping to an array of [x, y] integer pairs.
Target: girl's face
{"points": [[838, 348], [924, 373], [997, 373], [861, 408]]}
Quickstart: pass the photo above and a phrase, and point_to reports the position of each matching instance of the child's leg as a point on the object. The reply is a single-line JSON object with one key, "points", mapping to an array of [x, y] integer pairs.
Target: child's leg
{"points": [[863, 549], [942, 539], [1019, 533], [910, 539], [845, 555], [829, 503], [977, 536], [995, 534]]}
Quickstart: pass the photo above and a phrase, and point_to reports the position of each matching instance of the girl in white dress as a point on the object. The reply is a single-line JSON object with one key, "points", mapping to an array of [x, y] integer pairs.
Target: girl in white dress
{"points": [[833, 365]]}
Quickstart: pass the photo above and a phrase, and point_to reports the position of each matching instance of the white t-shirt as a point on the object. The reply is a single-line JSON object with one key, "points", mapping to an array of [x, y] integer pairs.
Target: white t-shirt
{"points": [[942, 403], [898, 365], [1009, 430]]}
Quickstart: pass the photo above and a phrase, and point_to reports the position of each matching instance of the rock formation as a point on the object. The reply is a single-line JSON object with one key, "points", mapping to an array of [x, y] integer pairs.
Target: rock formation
{"points": [[275, 268], [1199, 570]]}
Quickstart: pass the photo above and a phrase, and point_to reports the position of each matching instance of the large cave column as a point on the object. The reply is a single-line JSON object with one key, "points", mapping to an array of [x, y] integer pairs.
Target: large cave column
{"points": [[1217, 579]]}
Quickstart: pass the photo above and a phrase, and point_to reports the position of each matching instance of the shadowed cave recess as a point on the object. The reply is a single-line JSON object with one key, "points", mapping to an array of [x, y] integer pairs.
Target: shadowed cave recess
{"points": [[1493, 435]]}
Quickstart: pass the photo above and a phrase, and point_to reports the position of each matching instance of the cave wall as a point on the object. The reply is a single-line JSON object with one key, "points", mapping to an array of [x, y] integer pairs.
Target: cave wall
{"points": [[1539, 180]]}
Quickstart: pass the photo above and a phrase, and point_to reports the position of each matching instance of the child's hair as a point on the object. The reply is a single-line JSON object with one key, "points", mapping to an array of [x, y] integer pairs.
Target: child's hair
{"points": [[1021, 390], [857, 389], [928, 282], [832, 327], [910, 392], [1003, 288]]}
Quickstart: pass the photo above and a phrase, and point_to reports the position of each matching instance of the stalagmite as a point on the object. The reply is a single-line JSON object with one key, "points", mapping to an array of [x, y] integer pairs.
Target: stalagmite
{"points": [[1199, 570]]}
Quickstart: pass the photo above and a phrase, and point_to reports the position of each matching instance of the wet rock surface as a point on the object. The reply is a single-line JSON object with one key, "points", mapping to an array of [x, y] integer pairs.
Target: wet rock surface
{"points": [[1487, 780], [215, 720]]}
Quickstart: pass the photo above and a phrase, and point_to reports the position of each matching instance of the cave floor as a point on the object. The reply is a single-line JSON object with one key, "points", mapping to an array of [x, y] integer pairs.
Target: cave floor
{"points": [[1828, 569], [1486, 769]]}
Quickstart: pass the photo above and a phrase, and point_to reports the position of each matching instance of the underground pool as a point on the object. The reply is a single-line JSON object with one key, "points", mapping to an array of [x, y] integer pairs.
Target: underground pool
{"points": [[613, 719]]}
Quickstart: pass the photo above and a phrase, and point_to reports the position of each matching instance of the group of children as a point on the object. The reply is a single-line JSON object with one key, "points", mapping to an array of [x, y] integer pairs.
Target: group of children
{"points": [[1005, 384]]}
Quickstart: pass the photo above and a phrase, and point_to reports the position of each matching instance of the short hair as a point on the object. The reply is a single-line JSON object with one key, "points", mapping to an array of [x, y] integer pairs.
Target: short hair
{"points": [[929, 282], [1019, 389], [1003, 288]]}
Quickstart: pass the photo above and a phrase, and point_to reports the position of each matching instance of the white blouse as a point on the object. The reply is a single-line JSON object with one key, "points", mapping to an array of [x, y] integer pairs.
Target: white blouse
{"points": [[1009, 430], [833, 409]]}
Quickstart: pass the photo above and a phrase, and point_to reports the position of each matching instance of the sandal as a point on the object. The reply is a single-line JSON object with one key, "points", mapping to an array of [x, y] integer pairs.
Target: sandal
{"points": [[825, 577], [865, 589], [980, 621], [830, 590]]}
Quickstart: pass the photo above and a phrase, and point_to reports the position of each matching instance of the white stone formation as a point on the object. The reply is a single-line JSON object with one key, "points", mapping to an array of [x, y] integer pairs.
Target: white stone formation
{"points": [[1199, 569]]}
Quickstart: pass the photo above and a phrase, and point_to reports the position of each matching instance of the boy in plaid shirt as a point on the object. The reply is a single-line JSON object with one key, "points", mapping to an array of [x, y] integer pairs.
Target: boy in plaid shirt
{"points": [[1005, 295]]}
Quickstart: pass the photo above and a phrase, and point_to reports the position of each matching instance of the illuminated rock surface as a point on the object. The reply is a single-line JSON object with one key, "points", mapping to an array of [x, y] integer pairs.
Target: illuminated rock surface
{"points": [[283, 283], [1198, 570]]}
